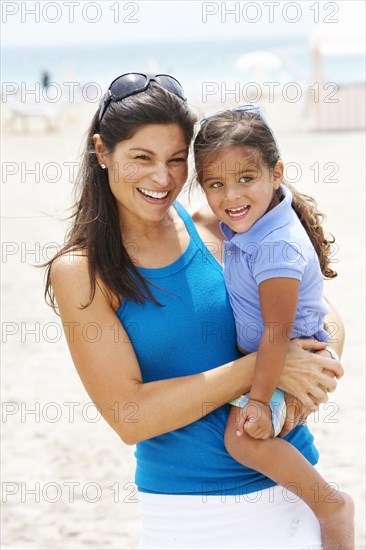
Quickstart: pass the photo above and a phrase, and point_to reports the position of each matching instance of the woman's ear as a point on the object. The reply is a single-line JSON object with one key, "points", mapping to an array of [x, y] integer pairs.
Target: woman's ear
{"points": [[278, 174], [100, 149]]}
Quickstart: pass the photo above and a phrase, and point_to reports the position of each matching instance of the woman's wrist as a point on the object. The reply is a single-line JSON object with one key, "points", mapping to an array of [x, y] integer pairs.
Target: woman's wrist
{"points": [[303, 374]]}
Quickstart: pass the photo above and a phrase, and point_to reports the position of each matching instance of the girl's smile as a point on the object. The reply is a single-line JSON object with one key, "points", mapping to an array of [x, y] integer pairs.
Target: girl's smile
{"points": [[238, 213]]}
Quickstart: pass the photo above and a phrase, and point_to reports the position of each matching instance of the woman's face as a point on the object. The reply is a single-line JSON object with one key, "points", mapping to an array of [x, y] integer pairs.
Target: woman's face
{"points": [[147, 172]]}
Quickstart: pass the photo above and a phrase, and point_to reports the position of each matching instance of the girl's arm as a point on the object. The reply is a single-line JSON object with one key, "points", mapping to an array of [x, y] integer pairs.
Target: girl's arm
{"points": [[111, 375], [278, 302]]}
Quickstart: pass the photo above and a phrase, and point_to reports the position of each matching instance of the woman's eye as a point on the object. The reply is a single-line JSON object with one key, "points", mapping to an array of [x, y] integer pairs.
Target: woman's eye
{"points": [[179, 160], [142, 157]]}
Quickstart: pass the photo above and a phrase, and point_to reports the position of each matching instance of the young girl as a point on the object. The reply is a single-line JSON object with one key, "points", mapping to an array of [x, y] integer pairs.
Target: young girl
{"points": [[275, 256]]}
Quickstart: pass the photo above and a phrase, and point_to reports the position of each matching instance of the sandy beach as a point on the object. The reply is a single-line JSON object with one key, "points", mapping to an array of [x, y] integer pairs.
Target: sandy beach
{"points": [[67, 479]]}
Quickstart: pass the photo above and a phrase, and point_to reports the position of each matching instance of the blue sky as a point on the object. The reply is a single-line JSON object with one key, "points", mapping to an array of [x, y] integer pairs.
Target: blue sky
{"points": [[83, 21]]}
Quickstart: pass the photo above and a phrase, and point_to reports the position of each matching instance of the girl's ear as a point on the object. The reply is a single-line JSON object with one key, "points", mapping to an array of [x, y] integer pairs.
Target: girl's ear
{"points": [[100, 149], [278, 174]]}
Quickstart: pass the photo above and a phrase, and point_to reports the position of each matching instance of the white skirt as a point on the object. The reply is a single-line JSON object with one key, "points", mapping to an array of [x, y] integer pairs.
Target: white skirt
{"points": [[273, 519]]}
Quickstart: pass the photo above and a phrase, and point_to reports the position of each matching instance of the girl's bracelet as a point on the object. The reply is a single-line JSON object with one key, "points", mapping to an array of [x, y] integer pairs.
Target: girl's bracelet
{"points": [[259, 401]]}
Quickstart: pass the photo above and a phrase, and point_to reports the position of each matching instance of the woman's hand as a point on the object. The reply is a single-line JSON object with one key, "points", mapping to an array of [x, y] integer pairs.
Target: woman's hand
{"points": [[296, 414], [307, 375]]}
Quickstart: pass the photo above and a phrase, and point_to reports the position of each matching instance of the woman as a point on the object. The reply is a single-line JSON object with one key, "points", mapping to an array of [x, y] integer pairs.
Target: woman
{"points": [[135, 254]]}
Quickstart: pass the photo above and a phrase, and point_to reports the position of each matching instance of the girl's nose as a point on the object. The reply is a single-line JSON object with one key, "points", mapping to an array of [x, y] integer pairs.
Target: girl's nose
{"points": [[233, 192]]}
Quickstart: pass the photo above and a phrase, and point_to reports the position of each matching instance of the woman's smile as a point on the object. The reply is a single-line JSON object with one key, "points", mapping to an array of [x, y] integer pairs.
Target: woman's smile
{"points": [[155, 195]]}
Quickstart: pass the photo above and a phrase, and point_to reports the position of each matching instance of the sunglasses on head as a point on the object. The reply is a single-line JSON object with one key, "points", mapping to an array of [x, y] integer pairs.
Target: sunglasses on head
{"points": [[134, 83], [247, 109]]}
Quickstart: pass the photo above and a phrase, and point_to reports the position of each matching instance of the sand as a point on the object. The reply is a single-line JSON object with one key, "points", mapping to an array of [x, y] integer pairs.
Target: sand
{"points": [[80, 472]]}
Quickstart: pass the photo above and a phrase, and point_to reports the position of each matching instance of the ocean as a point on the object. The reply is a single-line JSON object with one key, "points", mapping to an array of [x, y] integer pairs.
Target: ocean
{"points": [[191, 63]]}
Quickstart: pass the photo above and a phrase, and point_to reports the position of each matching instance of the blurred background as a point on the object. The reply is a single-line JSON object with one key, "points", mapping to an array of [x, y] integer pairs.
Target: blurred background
{"points": [[67, 480]]}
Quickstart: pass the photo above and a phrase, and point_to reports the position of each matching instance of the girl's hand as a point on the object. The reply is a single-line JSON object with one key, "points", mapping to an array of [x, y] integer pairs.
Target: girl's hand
{"points": [[255, 419], [305, 375]]}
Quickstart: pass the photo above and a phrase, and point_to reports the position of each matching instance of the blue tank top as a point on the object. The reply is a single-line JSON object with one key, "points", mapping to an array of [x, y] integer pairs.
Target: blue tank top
{"points": [[193, 332]]}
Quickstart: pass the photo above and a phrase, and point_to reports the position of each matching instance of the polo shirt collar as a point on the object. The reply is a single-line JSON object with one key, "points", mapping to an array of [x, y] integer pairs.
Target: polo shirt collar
{"points": [[279, 216]]}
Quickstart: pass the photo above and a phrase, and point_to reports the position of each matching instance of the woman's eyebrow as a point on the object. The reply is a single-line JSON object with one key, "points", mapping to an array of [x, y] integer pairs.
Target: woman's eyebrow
{"points": [[141, 149], [185, 150]]}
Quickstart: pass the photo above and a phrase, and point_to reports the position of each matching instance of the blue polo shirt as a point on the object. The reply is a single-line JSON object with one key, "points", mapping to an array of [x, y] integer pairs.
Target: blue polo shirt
{"points": [[277, 245]]}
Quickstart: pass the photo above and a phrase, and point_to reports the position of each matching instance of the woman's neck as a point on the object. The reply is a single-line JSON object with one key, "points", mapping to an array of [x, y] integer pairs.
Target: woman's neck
{"points": [[156, 244], [140, 231]]}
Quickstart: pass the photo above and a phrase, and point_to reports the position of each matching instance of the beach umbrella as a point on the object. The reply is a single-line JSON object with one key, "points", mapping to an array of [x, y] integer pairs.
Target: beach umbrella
{"points": [[258, 61], [257, 67]]}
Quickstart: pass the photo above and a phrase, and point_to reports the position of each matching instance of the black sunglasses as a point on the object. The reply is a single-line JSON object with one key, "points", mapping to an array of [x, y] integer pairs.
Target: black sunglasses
{"points": [[134, 83]]}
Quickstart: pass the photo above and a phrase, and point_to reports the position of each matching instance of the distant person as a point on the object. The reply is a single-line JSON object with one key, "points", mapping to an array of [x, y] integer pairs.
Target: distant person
{"points": [[45, 78], [274, 266]]}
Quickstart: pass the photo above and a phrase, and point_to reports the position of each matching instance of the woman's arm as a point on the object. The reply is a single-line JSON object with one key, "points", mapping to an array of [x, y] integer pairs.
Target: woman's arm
{"points": [[109, 369], [110, 372], [335, 327], [296, 411]]}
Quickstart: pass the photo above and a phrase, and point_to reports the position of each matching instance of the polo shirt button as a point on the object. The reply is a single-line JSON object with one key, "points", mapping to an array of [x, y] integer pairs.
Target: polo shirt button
{"points": [[228, 253]]}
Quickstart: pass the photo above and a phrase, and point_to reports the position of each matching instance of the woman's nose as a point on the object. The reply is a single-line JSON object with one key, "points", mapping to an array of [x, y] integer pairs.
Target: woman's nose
{"points": [[161, 175]]}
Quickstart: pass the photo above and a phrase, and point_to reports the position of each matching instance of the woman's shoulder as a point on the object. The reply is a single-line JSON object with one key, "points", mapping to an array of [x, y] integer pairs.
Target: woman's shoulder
{"points": [[206, 221], [70, 275], [71, 264]]}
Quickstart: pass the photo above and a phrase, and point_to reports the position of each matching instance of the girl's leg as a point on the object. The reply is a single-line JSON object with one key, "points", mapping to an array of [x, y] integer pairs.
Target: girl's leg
{"points": [[284, 464]]}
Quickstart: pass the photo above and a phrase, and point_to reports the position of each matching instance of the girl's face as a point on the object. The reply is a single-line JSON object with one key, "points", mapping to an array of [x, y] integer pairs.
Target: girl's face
{"points": [[239, 187], [146, 172]]}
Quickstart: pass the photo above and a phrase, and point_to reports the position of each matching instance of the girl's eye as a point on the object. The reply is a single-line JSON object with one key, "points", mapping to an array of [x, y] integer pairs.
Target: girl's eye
{"points": [[216, 185], [245, 179]]}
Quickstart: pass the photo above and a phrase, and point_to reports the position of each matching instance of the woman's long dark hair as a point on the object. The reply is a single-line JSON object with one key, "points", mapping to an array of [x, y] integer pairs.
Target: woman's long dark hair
{"points": [[247, 129], [95, 230]]}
